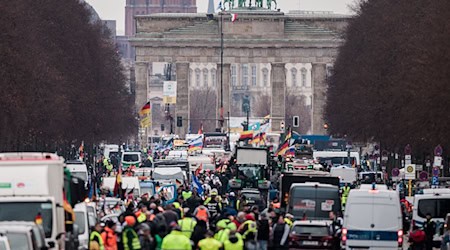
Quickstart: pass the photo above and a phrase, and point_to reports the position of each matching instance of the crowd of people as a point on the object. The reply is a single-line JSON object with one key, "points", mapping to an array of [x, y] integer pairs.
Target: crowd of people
{"points": [[215, 220]]}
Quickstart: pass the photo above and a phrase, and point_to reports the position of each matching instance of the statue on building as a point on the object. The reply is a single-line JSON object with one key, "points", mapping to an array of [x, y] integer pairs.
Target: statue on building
{"points": [[230, 4], [241, 3], [269, 4], [259, 3]]}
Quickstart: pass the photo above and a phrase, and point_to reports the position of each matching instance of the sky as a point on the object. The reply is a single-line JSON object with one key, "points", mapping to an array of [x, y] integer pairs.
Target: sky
{"points": [[115, 9]]}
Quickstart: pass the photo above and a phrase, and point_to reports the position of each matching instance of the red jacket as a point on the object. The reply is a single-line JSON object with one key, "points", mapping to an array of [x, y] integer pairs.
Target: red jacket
{"points": [[417, 236]]}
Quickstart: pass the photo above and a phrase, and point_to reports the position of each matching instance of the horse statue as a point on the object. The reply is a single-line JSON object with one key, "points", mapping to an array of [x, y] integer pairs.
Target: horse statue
{"points": [[259, 3], [269, 4], [241, 3]]}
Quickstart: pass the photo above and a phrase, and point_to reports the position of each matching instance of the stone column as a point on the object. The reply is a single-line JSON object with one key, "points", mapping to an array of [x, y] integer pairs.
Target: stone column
{"points": [[182, 108], [278, 82], [319, 85], [226, 92], [141, 96]]}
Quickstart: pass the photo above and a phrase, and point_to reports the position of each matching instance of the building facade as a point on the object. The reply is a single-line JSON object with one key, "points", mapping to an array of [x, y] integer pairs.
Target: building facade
{"points": [[265, 53]]}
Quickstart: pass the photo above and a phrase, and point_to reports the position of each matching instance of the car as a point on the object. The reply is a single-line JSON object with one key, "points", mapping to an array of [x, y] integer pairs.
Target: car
{"points": [[4, 244], [23, 235], [253, 198], [311, 234]]}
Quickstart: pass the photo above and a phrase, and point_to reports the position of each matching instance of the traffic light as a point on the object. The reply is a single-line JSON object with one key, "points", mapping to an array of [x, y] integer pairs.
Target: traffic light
{"points": [[179, 121], [162, 126], [282, 125], [325, 126], [296, 121]]}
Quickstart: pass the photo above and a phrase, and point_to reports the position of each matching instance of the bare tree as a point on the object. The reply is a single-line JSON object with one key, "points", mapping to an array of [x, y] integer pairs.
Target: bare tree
{"points": [[61, 79], [262, 105], [296, 106], [203, 103], [390, 81]]}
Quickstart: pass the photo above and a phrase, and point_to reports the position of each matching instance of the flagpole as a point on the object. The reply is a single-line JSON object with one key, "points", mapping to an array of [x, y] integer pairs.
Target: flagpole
{"points": [[221, 70]]}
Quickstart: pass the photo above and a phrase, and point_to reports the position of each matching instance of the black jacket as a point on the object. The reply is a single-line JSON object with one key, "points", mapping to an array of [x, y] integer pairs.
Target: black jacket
{"points": [[263, 229]]}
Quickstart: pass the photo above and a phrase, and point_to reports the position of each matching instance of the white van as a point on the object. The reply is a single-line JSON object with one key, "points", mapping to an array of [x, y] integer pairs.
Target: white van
{"points": [[79, 170], [131, 159], [345, 174], [84, 220], [372, 220], [436, 202]]}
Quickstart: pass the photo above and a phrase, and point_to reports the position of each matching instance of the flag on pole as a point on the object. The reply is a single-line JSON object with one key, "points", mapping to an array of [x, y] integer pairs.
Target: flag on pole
{"points": [[145, 110], [219, 6], [146, 122], [195, 144], [233, 17], [265, 120], [245, 135], [118, 184], [197, 185]]}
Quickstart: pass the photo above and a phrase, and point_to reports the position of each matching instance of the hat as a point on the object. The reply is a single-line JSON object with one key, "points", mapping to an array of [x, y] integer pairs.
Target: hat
{"points": [[214, 191], [110, 223], [130, 220], [249, 217], [232, 194], [144, 226]]}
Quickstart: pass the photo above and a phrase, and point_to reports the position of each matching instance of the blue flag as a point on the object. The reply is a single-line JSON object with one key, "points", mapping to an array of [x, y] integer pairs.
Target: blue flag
{"points": [[196, 184]]}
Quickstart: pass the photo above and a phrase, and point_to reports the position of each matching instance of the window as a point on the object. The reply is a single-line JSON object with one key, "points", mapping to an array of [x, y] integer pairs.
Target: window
{"points": [[304, 77], [254, 75], [244, 74], [329, 71], [197, 77], [205, 77], [265, 77], [191, 75], [213, 77], [294, 76], [233, 75]]}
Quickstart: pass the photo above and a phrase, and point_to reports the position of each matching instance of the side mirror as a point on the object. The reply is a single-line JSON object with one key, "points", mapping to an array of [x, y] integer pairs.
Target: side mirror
{"points": [[58, 237], [51, 244]]}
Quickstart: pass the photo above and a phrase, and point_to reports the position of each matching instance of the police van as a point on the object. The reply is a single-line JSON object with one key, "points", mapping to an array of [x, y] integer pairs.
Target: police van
{"points": [[435, 202], [372, 220]]}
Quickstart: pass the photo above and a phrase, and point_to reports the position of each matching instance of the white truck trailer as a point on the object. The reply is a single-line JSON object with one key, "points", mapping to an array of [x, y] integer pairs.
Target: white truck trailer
{"points": [[31, 189]]}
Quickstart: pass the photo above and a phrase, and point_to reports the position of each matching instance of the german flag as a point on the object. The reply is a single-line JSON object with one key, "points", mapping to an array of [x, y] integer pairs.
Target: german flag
{"points": [[283, 148], [145, 110], [246, 135]]}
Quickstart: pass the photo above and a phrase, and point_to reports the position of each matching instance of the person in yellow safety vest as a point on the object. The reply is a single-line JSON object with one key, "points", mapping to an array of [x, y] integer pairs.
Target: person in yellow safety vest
{"points": [[249, 230], [345, 191], [187, 224], [186, 194], [209, 243], [288, 219], [223, 231], [141, 214], [95, 239], [241, 203], [130, 238], [234, 241], [177, 205], [176, 240], [213, 203]]}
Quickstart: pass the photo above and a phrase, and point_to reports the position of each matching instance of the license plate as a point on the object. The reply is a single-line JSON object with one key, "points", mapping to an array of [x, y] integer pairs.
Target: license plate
{"points": [[310, 243]]}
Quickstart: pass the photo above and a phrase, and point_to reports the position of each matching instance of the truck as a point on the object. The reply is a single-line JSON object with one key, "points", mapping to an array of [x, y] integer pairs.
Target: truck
{"points": [[31, 189], [251, 171], [287, 179]]}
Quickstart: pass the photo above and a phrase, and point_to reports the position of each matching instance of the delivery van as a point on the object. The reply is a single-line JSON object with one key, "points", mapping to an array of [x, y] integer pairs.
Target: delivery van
{"points": [[372, 220], [79, 170], [346, 174]]}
